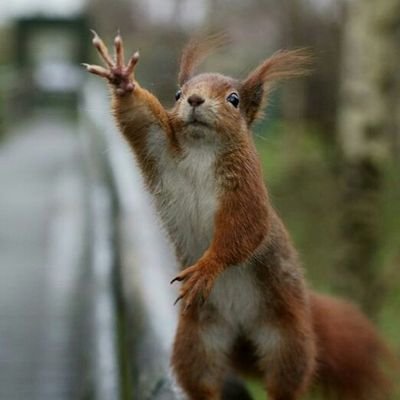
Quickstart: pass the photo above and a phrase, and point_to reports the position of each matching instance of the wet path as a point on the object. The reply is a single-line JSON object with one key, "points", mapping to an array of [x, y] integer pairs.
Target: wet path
{"points": [[42, 246]]}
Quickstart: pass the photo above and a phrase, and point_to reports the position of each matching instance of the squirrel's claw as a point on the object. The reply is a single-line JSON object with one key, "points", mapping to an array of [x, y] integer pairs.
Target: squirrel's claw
{"points": [[185, 274], [176, 279], [178, 299]]}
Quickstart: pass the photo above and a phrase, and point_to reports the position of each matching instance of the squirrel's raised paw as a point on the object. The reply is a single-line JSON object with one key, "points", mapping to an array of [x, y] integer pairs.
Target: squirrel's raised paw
{"points": [[118, 74]]}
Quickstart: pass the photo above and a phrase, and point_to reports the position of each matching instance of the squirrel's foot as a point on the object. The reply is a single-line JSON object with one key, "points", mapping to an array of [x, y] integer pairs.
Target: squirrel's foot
{"points": [[197, 283], [118, 74]]}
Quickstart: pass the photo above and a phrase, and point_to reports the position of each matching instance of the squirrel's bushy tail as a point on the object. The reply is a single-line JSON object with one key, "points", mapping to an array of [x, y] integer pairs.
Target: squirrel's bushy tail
{"points": [[351, 356]]}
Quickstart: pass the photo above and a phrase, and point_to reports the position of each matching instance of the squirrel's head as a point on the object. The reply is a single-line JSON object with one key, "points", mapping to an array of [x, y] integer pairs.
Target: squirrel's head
{"points": [[208, 104]]}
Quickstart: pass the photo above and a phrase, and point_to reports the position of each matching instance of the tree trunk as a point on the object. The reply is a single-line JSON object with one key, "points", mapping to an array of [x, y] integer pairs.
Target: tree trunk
{"points": [[367, 129]]}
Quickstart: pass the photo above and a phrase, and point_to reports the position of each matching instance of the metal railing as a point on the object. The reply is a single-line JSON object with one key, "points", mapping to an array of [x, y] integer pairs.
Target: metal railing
{"points": [[145, 263]]}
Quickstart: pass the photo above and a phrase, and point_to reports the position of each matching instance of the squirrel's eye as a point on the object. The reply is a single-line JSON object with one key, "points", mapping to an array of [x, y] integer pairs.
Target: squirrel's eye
{"points": [[233, 98], [178, 94]]}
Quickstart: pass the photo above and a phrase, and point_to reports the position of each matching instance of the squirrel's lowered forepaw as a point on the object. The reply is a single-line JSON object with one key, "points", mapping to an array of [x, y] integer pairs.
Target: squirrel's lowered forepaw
{"points": [[197, 283]]}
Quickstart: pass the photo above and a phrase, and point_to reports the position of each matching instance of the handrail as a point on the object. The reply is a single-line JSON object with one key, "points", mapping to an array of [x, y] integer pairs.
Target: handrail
{"points": [[146, 262], [104, 364]]}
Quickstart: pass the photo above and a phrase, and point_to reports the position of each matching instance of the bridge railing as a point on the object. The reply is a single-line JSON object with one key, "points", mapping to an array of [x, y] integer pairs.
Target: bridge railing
{"points": [[141, 264]]}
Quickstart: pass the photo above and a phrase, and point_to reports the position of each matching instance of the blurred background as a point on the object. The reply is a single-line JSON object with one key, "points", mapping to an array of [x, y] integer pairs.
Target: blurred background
{"points": [[330, 147]]}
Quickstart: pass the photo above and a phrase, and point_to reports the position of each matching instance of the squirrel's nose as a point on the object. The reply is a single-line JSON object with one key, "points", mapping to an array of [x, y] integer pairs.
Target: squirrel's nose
{"points": [[195, 100]]}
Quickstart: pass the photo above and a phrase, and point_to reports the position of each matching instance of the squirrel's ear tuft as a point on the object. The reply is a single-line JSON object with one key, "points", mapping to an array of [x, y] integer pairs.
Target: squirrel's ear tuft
{"points": [[284, 64], [196, 51]]}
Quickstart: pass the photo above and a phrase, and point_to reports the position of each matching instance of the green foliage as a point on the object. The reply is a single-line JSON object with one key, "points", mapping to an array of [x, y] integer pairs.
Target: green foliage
{"points": [[304, 190], [256, 389], [304, 187]]}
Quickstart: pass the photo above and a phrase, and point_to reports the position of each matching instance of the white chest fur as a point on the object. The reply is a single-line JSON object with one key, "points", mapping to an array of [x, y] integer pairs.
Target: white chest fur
{"points": [[236, 296], [186, 198], [237, 310]]}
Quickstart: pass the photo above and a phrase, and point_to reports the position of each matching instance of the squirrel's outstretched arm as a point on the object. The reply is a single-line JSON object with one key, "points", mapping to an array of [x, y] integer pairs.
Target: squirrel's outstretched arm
{"points": [[240, 226], [138, 113]]}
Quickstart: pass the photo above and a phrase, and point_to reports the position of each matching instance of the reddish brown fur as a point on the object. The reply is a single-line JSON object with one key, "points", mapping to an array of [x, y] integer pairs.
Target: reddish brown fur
{"points": [[309, 335], [282, 65], [195, 52], [140, 111], [199, 374], [351, 355], [291, 366]]}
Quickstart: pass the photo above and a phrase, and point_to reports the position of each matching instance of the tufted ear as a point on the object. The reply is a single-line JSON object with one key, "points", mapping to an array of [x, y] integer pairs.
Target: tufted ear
{"points": [[195, 52], [254, 88]]}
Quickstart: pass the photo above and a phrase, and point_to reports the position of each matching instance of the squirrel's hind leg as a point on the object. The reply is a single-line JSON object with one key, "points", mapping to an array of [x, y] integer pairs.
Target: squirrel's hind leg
{"points": [[199, 361], [287, 362]]}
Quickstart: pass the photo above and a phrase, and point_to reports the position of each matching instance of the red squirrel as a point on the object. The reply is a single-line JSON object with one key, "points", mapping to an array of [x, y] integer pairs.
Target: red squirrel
{"points": [[244, 302]]}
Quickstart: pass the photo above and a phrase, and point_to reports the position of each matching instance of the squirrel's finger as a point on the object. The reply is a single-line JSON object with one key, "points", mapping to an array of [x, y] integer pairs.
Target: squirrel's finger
{"points": [[119, 51], [132, 63], [95, 69], [102, 49], [189, 301]]}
